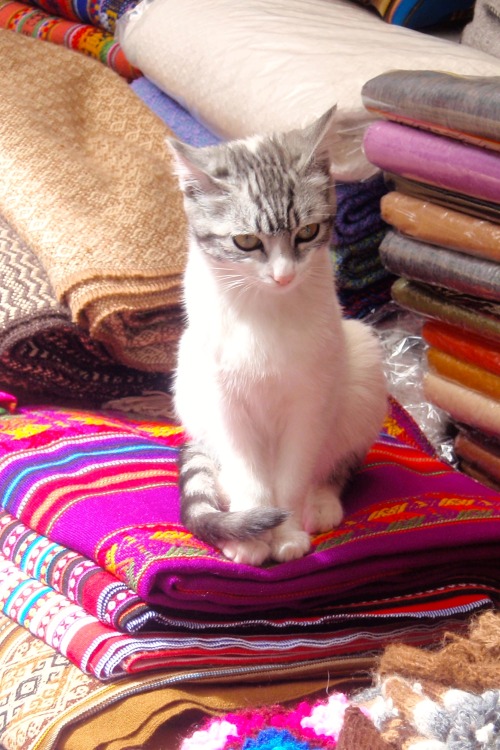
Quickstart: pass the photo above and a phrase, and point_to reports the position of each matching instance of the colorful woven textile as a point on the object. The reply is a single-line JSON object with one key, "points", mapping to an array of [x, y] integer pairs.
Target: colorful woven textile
{"points": [[108, 226], [52, 468], [470, 313], [417, 14], [429, 158], [41, 351], [42, 582], [441, 699], [437, 225], [462, 107], [30, 20], [49, 704], [101, 13], [440, 267]]}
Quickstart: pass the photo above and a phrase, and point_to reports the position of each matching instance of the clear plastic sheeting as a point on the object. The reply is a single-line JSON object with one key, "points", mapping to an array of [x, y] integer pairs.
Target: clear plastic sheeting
{"points": [[256, 66], [405, 364]]}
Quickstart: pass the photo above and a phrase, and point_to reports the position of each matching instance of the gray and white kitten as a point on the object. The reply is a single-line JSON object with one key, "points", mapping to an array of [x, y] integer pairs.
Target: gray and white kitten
{"points": [[280, 396]]}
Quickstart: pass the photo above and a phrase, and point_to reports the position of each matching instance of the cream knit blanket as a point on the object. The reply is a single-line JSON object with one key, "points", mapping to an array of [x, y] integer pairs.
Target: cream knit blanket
{"points": [[86, 181]]}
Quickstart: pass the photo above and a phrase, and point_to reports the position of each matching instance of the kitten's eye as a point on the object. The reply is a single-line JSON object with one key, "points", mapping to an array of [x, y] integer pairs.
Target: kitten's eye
{"points": [[307, 233], [247, 242]]}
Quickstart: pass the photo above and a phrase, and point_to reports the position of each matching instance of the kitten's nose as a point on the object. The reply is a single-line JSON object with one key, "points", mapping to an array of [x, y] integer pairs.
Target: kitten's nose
{"points": [[284, 279]]}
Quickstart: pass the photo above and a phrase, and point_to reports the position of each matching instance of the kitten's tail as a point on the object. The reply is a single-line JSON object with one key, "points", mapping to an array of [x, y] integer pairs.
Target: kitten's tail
{"points": [[202, 508]]}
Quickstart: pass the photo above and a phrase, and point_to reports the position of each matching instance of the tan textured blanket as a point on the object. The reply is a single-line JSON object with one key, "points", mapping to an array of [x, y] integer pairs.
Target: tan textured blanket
{"points": [[86, 182]]}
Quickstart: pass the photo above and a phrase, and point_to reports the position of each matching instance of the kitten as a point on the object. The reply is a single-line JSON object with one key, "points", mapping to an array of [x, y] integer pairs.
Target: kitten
{"points": [[280, 396]]}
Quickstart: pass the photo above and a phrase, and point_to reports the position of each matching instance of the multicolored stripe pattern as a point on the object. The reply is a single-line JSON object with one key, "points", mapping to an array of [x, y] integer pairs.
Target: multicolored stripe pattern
{"points": [[32, 21], [106, 487]]}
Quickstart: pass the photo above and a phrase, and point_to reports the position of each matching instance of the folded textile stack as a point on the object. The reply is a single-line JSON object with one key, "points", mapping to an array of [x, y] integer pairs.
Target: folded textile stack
{"points": [[94, 562], [84, 27], [418, 699], [92, 262], [439, 146]]}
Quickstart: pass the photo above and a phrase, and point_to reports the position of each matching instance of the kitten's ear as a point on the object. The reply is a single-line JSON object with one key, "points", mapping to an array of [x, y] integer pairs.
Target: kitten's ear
{"points": [[190, 167], [337, 138], [319, 137]]}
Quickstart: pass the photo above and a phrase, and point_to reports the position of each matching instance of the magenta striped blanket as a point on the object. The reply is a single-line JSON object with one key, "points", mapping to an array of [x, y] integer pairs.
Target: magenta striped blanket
{"points": [[83, 584], [106, 487]]}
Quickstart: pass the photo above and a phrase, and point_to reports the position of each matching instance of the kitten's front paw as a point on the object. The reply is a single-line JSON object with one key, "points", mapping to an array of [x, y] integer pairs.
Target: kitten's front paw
{"points": [[322, 511], [247, 552], [289, 544]]}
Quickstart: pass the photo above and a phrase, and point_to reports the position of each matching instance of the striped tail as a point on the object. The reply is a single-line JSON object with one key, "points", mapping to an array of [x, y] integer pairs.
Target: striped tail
{"points": [[204, 511]]}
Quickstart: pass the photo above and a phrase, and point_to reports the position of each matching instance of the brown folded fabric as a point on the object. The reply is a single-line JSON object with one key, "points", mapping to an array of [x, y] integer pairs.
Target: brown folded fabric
{"points": [[480, 454], [478, 350], [463, 404], [49, 704], [429, 222], [87, 184], [472, 314], [464, 373]]}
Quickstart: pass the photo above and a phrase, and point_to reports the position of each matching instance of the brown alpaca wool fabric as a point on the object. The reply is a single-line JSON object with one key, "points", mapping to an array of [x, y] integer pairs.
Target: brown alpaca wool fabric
{"points": [[466, 663], [359, 733], [87, 184]]}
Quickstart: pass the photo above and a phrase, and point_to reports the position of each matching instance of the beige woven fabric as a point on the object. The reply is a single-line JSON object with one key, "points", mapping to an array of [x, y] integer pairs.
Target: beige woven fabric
{"points": [[86, 180]]}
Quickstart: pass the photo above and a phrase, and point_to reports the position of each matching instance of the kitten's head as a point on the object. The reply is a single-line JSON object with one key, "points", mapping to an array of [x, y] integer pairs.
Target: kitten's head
{"points": [[259, 208]]}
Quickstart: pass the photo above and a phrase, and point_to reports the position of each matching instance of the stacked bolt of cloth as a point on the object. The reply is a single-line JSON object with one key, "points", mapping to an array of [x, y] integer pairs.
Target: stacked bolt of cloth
{"points": [[439, 146]]}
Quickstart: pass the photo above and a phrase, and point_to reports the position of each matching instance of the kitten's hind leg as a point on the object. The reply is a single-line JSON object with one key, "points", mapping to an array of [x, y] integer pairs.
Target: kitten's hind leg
{"points": [[322, 509]]}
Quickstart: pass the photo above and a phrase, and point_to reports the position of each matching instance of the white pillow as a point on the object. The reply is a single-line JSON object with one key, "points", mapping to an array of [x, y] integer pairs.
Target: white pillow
{"points": [[247, 66]]}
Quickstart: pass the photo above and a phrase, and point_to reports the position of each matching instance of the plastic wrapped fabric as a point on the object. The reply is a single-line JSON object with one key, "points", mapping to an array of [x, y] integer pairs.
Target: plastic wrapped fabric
{"points": [[472, 314], [479, 454], [467, 204], [477, 350], [440, 267], [463, 404], [251, 66], [463, 107], [430, 158], [438, 225], [464, 373]]}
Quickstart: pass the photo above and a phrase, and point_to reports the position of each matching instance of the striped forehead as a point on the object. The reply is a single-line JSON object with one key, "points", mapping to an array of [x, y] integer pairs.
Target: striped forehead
{"points": [[267, 173]]}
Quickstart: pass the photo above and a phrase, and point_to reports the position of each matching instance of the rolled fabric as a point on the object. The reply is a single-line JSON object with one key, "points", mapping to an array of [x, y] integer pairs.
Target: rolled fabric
{"points": [[463, 404], [438, 225], [464, 373], [467, 204], [477, 350], [480, 453], [430, 158], [440, 267], [469, 313], [465, 107]]}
